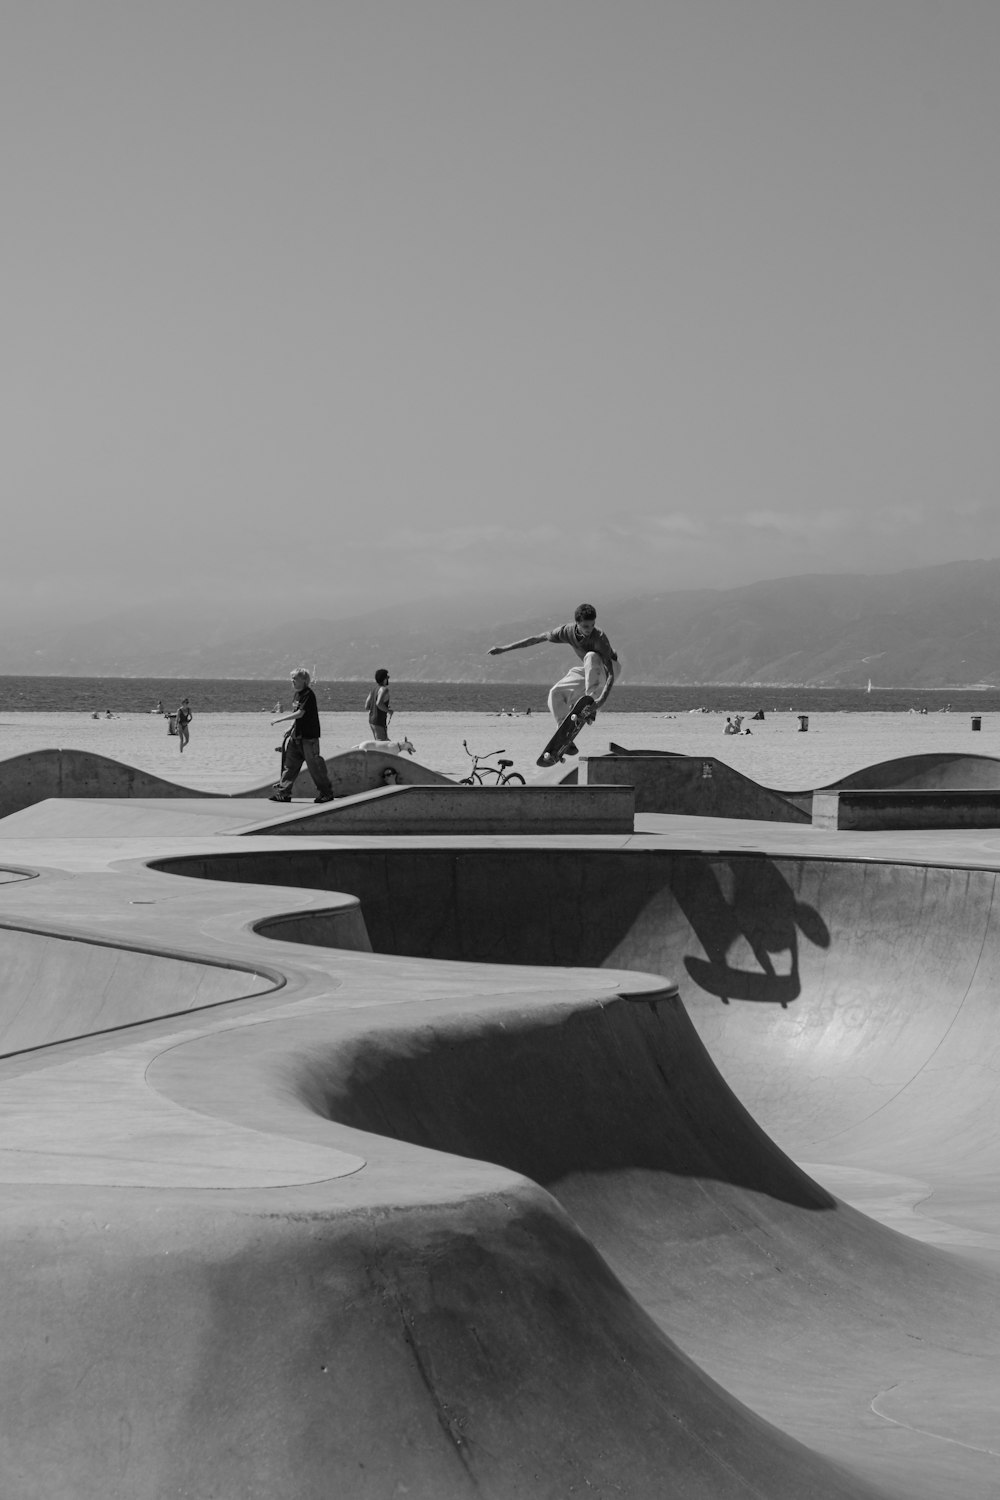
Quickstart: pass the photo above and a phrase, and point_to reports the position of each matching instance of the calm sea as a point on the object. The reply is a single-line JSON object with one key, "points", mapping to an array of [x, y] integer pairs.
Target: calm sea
{"points": [[239, 695]]}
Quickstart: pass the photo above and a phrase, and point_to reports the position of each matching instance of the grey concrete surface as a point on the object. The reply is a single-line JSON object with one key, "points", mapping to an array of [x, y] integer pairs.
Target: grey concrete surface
{"points": [[495, 1208], [695, 786], [932, 790], [42, 774], [435, 810]]}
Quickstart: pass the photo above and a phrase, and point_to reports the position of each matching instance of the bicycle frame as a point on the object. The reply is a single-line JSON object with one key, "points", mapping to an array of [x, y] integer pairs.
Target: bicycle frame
{"points": [[479, 771]]}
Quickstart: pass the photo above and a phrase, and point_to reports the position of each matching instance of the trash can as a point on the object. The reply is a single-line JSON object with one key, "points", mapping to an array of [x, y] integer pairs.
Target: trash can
{"points": [[171, 723], [977, 722], [803, 723]]}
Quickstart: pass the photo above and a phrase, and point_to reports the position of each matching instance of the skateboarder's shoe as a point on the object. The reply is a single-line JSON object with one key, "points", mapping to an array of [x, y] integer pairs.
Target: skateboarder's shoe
{"points": [[324, 797], [278, 798]]}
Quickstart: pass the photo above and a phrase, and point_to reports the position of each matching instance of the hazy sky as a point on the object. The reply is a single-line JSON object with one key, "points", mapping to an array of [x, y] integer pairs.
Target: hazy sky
{"points": [[335, 303]]}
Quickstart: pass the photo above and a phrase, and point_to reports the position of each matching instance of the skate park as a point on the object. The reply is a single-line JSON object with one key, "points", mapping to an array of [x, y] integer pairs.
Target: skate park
{"points": [[656, 1161]]}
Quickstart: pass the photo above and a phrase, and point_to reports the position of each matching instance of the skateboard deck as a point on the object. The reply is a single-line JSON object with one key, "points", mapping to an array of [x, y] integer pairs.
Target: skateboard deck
{"points": [[583, 712], [282, 750]]}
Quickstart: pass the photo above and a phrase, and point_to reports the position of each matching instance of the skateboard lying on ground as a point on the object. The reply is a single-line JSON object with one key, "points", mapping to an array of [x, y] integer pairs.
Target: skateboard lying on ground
{"points": [[562, 742]]}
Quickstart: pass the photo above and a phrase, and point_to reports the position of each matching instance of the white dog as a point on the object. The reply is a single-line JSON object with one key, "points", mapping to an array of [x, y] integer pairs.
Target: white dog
{"points": [[391, 747]]}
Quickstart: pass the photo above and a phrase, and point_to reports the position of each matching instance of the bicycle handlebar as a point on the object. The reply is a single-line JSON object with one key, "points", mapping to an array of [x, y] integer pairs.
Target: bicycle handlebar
{"points": [[482, 757]]}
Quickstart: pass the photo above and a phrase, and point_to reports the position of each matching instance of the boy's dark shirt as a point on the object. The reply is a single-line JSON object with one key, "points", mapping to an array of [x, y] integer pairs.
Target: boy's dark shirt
{"points": [[306, 728]]}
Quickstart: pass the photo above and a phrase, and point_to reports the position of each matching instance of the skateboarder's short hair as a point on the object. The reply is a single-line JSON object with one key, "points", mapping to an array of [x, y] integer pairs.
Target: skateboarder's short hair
{"points": [[584, 612], [300, 672], [382, 676]]}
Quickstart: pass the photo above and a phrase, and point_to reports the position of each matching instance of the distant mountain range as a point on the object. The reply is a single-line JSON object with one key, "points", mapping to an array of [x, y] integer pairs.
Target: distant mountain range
{"points": [[935, 627]]}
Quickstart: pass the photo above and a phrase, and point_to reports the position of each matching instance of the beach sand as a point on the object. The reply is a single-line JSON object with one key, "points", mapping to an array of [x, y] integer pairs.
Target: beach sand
{"points": [[234, 752]]}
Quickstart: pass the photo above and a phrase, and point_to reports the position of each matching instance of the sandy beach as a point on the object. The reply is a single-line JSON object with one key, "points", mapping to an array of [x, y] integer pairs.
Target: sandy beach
{"points": [[230, 752]]}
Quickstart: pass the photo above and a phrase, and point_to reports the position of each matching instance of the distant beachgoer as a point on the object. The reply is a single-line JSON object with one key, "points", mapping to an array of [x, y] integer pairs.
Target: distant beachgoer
{"points": [[159, 707], [277, 707], [599, 667], [303, 745], [184, 717], [378, 707], [391, 777]]}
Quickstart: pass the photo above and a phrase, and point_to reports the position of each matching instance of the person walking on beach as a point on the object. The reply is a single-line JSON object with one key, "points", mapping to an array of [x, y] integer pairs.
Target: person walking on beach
{"points": [[303, 744], [184, 717], [598, 669], [378, 706]]}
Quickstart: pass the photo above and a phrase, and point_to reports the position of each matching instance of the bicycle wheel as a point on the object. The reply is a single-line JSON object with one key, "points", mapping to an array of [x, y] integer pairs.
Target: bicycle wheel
{"points": [[513, 778]]}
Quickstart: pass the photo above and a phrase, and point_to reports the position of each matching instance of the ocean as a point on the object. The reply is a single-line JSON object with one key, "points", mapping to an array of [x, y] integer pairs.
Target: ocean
{"points": [[244, 695]]}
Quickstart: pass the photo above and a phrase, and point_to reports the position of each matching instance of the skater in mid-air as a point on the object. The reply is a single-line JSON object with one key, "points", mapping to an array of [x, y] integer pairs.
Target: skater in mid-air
{"points": [[595, 674]]}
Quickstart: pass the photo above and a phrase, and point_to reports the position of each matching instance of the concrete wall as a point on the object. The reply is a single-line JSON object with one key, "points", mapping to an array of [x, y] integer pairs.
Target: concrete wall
{"points": [[697, 786], [467, 809], [934, 771], [40, 774], [910, 807], [53, 988]]}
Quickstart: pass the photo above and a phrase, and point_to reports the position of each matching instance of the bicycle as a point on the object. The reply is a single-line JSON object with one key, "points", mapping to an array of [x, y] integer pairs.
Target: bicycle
{"points": [[499, 772]]}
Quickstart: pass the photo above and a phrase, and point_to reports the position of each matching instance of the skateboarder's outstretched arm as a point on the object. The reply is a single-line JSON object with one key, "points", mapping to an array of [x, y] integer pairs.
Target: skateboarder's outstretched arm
{"points": [[529, 640]]}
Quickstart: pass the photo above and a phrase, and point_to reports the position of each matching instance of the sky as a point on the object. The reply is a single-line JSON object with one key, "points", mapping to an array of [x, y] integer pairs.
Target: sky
{"points": [[313, 307]]}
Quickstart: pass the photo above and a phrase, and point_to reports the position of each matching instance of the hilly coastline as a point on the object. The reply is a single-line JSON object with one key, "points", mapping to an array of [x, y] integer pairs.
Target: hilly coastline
{"points": [[935, 627]]}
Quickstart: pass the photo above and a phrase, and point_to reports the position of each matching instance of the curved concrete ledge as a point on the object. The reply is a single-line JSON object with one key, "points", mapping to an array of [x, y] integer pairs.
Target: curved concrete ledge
{"points": [[853, 996], [55, 987], [940, 770], [443, 810], [692, 785], [40, 774], [460, 1215], [891, 794]]}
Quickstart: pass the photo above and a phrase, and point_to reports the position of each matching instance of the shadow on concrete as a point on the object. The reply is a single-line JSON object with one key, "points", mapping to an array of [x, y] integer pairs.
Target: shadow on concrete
{"points": [[758, 907], [625, 1088]]}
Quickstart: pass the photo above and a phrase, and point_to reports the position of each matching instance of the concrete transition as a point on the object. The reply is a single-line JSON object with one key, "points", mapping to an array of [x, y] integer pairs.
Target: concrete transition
{"points": [[40, 774], [657, 1164], [935, 790]]}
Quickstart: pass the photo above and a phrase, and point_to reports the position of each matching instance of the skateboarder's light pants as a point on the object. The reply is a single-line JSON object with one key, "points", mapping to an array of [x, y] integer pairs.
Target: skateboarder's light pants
{"points": [[588, 676]]}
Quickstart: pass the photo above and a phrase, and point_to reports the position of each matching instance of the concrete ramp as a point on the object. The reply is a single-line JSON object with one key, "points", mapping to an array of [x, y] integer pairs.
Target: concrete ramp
{"points": [[450, 810], [131, 817], [941, 770], [850, 1008], [692, 786], [40, 775], [54, 987], [428, 809], [938, 790]]}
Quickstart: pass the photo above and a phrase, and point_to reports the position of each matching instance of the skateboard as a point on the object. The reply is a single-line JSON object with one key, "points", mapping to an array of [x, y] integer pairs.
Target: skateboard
{"points": [[583, 712], [282, 751]]}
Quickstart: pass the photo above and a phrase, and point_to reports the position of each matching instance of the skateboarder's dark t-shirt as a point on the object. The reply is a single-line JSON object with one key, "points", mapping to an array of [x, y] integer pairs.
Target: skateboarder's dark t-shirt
{"points": [[306, 728], [597, 641]]}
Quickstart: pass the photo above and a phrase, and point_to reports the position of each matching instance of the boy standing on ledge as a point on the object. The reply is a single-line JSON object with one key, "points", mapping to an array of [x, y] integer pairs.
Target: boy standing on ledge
{"points": [[599, 668], [303, 744]]}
